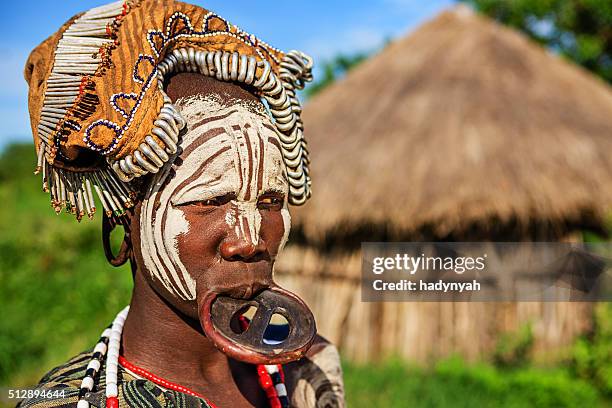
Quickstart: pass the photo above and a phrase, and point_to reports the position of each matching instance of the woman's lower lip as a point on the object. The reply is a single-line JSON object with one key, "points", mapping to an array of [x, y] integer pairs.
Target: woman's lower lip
{"points": [[242, 291]]}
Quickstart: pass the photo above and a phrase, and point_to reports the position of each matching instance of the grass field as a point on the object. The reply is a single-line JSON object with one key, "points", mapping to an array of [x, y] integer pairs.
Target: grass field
{"points": [[452, 383], [57, 293]]}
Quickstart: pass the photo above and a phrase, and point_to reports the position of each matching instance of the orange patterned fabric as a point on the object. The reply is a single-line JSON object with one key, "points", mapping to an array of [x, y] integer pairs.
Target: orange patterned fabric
{"points": [[118, 103]]}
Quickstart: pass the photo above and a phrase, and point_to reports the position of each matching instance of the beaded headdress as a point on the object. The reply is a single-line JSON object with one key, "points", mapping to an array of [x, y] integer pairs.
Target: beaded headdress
{"points": [[99, 113]]}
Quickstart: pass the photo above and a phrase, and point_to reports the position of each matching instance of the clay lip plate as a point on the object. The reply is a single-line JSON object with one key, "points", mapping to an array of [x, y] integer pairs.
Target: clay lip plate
{"points": [[217, 313]]}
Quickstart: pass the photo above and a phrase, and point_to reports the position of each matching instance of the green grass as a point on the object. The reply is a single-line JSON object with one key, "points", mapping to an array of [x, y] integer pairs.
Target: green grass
{"points": [[453, 383]]}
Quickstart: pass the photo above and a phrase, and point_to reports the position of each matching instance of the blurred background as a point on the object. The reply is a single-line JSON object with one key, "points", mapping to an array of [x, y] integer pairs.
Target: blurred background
{"points": [[434, 121]]}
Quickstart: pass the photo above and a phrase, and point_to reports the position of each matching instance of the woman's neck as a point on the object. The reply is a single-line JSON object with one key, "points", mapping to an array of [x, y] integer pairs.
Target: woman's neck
{"points": [[159, 340]]}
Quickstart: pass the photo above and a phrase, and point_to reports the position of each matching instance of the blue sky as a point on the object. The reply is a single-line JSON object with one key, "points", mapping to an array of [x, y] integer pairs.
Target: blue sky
{"points": [[320, 28]]}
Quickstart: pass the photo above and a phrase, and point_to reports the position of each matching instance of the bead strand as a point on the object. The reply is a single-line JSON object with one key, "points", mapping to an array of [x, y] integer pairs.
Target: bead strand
{"points": [[93, 367], [277, 376], [112, 359], [271, 378]]}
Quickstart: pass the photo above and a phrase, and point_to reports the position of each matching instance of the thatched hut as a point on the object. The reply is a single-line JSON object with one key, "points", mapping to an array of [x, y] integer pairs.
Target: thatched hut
{"points": [[463, 130]]}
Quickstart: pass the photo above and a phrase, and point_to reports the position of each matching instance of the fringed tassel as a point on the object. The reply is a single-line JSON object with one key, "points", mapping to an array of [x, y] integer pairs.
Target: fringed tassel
{"points": [[73, 191]]}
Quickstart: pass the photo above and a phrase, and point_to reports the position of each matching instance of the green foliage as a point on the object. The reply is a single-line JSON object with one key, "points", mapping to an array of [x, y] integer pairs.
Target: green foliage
{"points": [[592, 355], [578, 29], [334, 69], [57, 290], [453, 383], [512, 349]]}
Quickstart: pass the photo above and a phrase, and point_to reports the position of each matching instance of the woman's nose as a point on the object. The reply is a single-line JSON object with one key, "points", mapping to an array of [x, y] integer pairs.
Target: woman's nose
{"points": [[240, 249]]}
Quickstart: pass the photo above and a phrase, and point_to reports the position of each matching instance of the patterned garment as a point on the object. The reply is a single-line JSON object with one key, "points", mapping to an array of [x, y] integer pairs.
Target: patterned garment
{"points": [[133, 392], [315, 381]]}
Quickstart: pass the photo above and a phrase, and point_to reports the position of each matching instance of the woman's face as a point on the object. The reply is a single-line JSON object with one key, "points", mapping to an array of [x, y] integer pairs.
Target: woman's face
{"points": [[216, 218]]}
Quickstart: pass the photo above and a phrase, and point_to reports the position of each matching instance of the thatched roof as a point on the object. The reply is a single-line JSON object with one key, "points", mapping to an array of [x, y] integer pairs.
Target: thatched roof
{"points": [[463, 124]]}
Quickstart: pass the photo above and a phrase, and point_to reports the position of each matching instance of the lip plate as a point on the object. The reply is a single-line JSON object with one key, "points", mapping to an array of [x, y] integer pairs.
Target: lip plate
{"points": [[248, 346]]}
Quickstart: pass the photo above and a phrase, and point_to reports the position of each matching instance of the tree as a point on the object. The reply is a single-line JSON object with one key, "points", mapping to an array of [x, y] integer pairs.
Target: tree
{"points": [[334, 69], [581, 30]]}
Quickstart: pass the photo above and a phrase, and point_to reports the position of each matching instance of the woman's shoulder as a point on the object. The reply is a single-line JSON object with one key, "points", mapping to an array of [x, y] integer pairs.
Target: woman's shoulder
{"points": [[316, 380], [60, 386]]}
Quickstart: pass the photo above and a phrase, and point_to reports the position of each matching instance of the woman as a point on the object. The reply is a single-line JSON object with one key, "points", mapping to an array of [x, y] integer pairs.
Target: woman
{"points": [[156, 106]]}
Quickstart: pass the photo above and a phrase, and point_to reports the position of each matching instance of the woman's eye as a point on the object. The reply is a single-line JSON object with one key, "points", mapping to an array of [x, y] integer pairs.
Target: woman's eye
{"points": [[270, 203], [212, 202], [206, 203]]}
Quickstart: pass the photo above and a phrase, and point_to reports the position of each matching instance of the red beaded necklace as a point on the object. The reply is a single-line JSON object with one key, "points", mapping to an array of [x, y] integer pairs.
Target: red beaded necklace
{"points": [[160, 381], [265, 381], [274, 387]]}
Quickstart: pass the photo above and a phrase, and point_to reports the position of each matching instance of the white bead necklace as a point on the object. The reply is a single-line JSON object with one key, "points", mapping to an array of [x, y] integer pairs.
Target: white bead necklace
{"points": [[110, 341]]}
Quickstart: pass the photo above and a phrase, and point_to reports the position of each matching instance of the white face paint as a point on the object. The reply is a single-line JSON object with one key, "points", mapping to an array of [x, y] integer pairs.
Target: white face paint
{"points": [[226, 150]]}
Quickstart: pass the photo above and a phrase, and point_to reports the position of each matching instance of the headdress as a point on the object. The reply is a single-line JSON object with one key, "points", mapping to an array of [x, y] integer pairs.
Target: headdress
{"points": [[99, 113]]}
